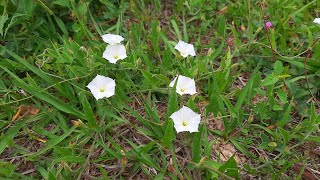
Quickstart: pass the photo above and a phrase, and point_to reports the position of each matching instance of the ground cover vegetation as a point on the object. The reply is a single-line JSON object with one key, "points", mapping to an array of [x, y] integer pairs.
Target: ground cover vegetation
{"points": [[152, 89]]}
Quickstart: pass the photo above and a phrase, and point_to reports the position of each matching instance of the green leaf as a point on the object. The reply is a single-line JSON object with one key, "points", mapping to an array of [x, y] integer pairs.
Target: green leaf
{"points": [[310, 37], [57, 103], [196, 145], [7, 169], [51, 176], [221, 24], [277, 107], [3, 20], [285, 134], [214, 165], [272, 39], [10, 134], [217, 51], [272, 144], [176, 29], [87, 110], [286, 116], [241, 148], [230, 168], [173, 102], [82, 7], [64, 3], [52, 143], [278, 68], [61, 25], [168, 135], [269, 80], [282, 96], [37, 71], [185, 33], [160, 176], [15, 19], [247, 92]]}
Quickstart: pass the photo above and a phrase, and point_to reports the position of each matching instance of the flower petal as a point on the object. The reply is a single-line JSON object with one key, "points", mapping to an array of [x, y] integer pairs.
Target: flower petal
{"points": [[113, 53], [102, 86], [112, 39], [186, 120], [180, 128], [185, 49], [172, 82], [177, 117], [316, 20], [185, 85]]}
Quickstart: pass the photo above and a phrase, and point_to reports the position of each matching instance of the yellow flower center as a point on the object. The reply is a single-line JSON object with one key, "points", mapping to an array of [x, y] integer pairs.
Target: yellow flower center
{"points": [[182, 89], [102, 90], [184, 123], [116, 56]]}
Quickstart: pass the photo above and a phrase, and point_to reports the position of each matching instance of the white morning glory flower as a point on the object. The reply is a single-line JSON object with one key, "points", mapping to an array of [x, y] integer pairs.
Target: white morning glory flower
{"points": [[102, 86], [113, 53], [185, 85], [185, 49], [316, 20], [112, 39], [186, 120]]}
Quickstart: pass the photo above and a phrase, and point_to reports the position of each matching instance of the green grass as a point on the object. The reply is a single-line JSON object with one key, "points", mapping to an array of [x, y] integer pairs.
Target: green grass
{"points": [[258, 90]]}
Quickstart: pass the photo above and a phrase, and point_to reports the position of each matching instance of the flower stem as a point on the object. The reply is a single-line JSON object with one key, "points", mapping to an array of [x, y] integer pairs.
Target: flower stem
{"points": [[266, 29]]}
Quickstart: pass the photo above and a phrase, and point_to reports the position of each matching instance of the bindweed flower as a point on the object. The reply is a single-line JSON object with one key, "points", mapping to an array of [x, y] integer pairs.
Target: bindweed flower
{"points": [[316, 20], [185, 85], [186, 120], [113, 53], [102, 86], [268, 24], [185, 49], [112, 39]]}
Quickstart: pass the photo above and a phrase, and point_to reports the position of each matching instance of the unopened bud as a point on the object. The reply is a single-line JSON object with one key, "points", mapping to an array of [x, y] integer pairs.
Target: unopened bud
{"points": [[71, 144], [210, 51], [77, 123]]}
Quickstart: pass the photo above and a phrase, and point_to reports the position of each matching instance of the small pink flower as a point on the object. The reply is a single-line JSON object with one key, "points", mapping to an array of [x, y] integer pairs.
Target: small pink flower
{"points": [[268, 24]]}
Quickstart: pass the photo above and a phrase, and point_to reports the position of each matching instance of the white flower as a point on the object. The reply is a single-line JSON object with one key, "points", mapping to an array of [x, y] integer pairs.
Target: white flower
{"points": [[113, 53], [185, 49], [316, 20], [186, 120], [112, 39], [185, 85], [102, 86]]}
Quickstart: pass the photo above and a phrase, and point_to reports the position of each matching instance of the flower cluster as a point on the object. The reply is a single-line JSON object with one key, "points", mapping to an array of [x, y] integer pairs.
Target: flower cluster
{"points": [[185, 119], [101, 86], [114, 51], [104, 87]]}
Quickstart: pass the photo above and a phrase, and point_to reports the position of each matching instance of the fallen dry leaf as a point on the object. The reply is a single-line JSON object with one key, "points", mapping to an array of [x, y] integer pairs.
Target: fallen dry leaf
{"points": [[17, 114], [223, 10], [225, 151], [307, 174], [24, 111]]}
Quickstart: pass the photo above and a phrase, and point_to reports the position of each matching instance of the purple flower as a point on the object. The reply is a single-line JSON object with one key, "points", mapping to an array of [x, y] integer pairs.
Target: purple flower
{"points": [[268, 24]]}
